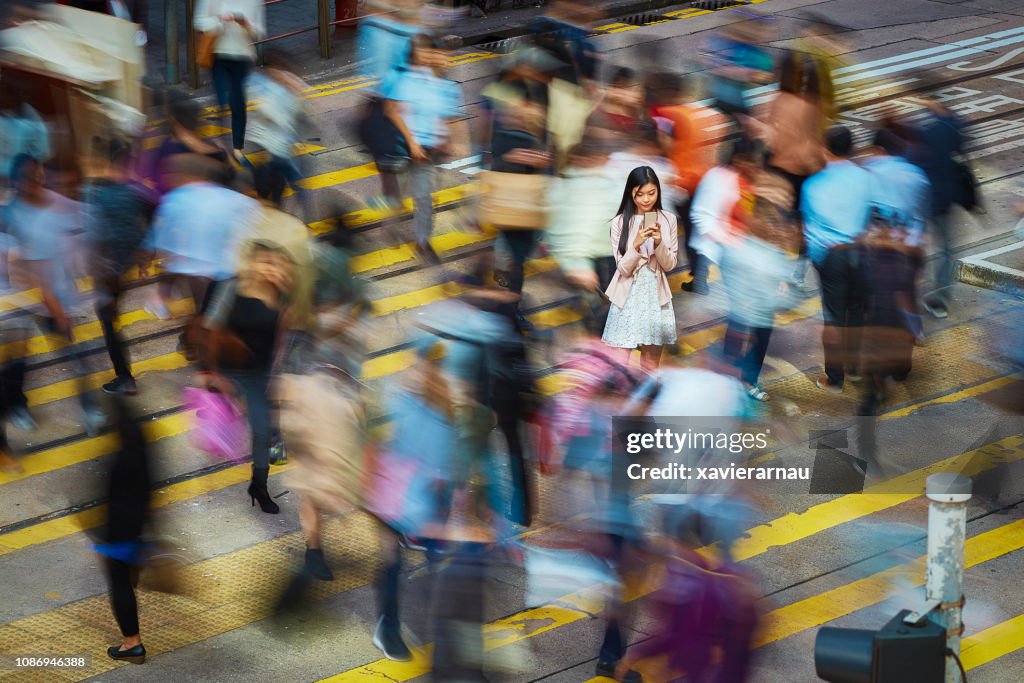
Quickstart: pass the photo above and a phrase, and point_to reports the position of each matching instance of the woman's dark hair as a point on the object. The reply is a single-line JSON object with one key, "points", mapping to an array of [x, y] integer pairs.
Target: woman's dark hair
{"points": [[622, 77], [638, 177], [185, 113]]}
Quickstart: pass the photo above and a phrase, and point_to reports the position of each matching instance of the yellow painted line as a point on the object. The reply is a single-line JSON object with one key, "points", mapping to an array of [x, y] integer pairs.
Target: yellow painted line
{"points": [[301, 149], [617, 27], [992, 643], [957, 396], [448, 195], [798, 526], [344, 88], [332, 178], [687, 13], [72, 387], [777, 625], [96, 447], [94, 517], [831, 605], [44, 343]]}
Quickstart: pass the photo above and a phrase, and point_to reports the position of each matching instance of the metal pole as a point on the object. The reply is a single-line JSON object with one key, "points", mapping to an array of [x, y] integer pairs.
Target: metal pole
{"points": [[947, 528], [171, 35], [323, 23], [190, 43]]}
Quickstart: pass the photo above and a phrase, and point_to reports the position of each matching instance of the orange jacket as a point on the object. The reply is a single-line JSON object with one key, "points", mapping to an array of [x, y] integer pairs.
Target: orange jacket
{"points": [[696, 132]]}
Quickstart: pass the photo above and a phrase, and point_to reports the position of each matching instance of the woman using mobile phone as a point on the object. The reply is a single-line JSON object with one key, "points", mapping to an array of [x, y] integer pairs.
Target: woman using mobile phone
{"points": [[645, 243]]}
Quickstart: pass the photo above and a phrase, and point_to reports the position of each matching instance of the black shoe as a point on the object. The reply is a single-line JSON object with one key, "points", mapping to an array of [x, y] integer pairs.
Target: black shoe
{"points": [[136, 655], [258, 492], [121, 386], [389, 641], [316, 565], [607, 669], [687, 286]]}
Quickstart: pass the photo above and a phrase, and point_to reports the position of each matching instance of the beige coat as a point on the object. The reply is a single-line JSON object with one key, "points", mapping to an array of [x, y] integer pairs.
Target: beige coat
{"points": [[629, 264]]}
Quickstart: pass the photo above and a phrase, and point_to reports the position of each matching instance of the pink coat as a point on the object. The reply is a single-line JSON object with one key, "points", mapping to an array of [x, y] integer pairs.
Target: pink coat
{"points": [[630, 263]]}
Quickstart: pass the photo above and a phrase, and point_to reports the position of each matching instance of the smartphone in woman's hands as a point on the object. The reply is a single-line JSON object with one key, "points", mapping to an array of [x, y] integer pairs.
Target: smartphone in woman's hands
{"points": [[650, 220]]}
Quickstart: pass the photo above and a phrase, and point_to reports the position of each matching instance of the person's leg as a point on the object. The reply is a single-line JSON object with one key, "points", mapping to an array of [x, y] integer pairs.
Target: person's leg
{"points": [[754, 358], [833, 297], [520, 244], [855, 309], [388, 634], [239, 69], [106, 312], [253, 387], [522, 507], [650, 357], [122, 599], [937, 301], [221, 82], [316, 564], [734, 343], [421, 181], [683, 212]]}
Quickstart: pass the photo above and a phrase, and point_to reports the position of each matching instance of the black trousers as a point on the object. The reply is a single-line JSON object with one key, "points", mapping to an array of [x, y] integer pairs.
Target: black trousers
{"points": [[229, 82], [122, 596], [106, 311], [843, 298], [683, 212]]}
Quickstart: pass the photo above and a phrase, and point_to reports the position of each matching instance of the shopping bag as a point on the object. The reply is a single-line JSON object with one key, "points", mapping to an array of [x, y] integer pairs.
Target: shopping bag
{"points": [[221, 430], [553, 573], [513, 200], [396, 490]]}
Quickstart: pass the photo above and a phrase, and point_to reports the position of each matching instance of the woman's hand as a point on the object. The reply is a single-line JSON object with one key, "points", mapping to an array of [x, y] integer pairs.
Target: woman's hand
{"points": [[655, 233], [641, 237]]}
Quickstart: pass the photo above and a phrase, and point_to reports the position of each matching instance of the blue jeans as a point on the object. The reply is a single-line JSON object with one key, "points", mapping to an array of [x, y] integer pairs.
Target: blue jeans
{"points": [[252, 385], [229, 76]]}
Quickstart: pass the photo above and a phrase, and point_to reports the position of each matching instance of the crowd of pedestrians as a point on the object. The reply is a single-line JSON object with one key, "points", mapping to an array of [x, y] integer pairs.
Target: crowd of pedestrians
{"points": [[634, 183]]}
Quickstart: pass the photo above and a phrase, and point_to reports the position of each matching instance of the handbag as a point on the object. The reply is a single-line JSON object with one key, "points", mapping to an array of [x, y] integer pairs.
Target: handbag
{"points": [[222, 430], [381, 136], [513, 201], [231, 351], [205, 42], [389, 490]]}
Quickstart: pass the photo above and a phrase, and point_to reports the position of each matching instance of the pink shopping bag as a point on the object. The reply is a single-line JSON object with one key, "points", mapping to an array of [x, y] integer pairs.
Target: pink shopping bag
{"points": [[221, 428]]}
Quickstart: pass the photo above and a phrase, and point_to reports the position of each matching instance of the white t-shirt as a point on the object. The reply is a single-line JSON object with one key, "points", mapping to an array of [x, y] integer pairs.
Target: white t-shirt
{"points": [[234, 41]]}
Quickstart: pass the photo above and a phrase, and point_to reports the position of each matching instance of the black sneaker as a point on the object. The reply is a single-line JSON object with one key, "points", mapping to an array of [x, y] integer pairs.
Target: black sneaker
{"points": [[607, 669], [121, 386], [389, 641]]}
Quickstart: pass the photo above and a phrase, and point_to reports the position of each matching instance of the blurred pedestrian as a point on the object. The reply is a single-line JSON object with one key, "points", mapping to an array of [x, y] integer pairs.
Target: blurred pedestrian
{"points": [[244, 319], [238, 24], [421, 103], [198, 230], [49, 230], [754, 271], [695, 133], [515, 139], [836, 207], [621, 106], [739, 63], [281, 120], [900, 190], [183, 138], [938, 141], [577, 230], [713, 209], [645, 239], [121, 210], [122, 540]]}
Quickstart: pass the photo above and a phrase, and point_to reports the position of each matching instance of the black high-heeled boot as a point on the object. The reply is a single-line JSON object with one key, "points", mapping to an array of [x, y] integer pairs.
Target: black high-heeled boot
{"points": [[258, 491], [316, 565]]}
